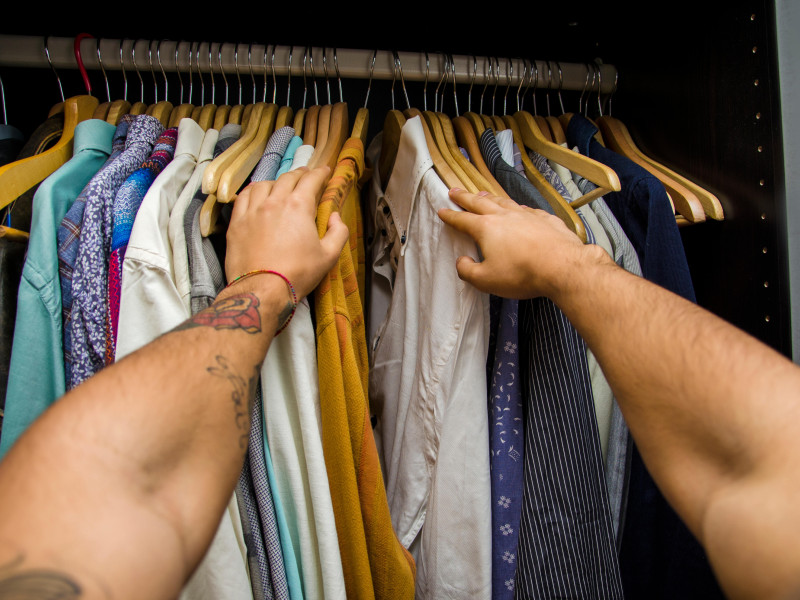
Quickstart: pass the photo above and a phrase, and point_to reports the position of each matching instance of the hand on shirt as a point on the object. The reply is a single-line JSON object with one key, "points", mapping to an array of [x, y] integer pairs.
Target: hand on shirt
{"points": [[273, 227], [527, 252]]}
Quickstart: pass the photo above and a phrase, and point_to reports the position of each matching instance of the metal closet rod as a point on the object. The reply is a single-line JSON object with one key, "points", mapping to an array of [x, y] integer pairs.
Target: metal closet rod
{"points": [[29, 51]]}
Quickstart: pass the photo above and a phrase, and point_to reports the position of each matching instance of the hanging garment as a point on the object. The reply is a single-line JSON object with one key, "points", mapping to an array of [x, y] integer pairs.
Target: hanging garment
{"points": [[126, 204], [293, 441], [265, 170], [301, 156], [12, 253], [288, 156], [36, 377], [566, 541], [149, 301], [660, 558], [428, 380], [375, 564], [90, 277], [68, 236]]}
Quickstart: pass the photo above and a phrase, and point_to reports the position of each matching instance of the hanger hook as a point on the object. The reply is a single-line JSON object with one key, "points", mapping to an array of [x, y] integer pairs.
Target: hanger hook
{"points": [[509, 75], [222, 72], [439, 85], [613, 90], [136, 68], [3, 98], [313, 74], [77, 48], [250, 64], [549, 86], [521, 103], [453, 73], [485, 82], [496, 82], [152, 71], [103, 69], [211, 73], [266, 49], [535, 80], [305, 82], [274, 80], [371, 71], [425, 85], [472, 82], [178, 70], [47, 54], [338, 75], [402, 79], [599, 90], [163, 72], [200, 75], [560, 86], [122, 68], [325, 71], [289, 77]]}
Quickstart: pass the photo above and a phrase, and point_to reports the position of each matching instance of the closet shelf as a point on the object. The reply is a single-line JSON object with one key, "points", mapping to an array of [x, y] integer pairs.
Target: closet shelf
{"points": [[29, 51]]}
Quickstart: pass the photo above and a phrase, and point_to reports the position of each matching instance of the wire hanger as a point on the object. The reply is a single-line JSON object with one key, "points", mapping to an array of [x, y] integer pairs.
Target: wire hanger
{"points": [[160, 110], [59, 106], [338, 129], [139, 107], [556, 130], [18, 177], [285, 113], [101, 112], [183, 110], [361, 123], [117, 108], [323, 117], [474, 118], [223, 112]]}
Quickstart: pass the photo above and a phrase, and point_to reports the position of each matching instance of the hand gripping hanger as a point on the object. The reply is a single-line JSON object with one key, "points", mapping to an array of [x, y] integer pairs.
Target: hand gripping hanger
{"points": [[18, 177]]}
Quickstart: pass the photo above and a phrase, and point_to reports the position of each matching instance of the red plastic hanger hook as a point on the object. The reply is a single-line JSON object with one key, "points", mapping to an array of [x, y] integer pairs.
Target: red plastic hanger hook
{"points": [[77, 47]]}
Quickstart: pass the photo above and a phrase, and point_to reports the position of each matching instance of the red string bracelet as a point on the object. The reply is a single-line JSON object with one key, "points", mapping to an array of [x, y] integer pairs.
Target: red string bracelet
{"points": [[288, 283]]}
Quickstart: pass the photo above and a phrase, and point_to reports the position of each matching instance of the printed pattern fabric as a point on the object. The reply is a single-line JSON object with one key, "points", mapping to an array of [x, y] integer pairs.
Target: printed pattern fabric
{"points": [[126, 204], [90, 277], [68, 237], [566, 542], [507, 444], [270, 162]]}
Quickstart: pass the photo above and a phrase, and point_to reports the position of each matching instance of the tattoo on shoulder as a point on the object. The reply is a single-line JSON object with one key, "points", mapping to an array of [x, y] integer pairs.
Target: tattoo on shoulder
{"points": [[243, 395], [234, 312], [35, 584]]}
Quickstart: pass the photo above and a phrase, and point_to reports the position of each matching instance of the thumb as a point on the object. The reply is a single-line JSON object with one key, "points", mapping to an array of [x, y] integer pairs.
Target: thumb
{"points": [[468, 269], [335, 238]]}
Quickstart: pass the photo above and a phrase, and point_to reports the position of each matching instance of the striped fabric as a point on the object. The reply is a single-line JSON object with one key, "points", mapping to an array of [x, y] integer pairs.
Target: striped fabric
{"points": [[270, 162], [566, 541]]}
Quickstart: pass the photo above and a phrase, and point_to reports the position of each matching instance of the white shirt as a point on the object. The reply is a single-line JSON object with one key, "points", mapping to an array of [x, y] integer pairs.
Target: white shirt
{"points": [[301, 156], [290, 392], [150, 304], [177, 235], [428, 384], [505, 141]]}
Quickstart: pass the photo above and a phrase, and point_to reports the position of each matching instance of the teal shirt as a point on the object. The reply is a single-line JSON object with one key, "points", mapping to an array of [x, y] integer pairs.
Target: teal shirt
{"points": [[288, 156], [36, 374]]}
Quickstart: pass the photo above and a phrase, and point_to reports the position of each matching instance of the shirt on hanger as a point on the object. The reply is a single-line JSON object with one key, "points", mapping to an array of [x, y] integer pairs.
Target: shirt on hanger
{"points": [[36, 377], [566, 542], [267, 167], [301, 156], [293, 441], [90, 277], [428, 381], [375, 564], [505, 141], [126, 204], [288, 156], [674, 566], [149, 301], [175, 227], [68, 235]]}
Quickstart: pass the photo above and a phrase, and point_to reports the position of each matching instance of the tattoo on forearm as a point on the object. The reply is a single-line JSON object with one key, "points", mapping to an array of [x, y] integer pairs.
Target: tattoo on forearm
{"points": [[35, 584], [234, 312], [243, 396]]}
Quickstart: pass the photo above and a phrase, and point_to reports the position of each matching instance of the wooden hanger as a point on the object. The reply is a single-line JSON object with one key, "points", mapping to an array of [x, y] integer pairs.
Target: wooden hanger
{"points": [[690, 199], [323, 126], [361, 125], [338, 132], [560, 207], [442, 168], [284, 118], [117, 110], [437, 133], [602, 176], [466, 137], [310, 127], [221, 116], [390, 142], [299, 120], [236, 115], [240, 164], [18, 177], [483, 183]]}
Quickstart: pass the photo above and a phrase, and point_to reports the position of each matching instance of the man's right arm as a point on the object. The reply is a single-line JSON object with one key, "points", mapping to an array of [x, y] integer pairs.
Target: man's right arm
{"points": [[714, 412]]}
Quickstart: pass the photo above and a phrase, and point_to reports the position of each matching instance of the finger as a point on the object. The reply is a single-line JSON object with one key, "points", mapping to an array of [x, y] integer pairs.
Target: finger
{"points": [[470, 271], [313, 184], [462, 221], [480, 205], [507, 203], [242, 202], [285, 184], [335, 238]]}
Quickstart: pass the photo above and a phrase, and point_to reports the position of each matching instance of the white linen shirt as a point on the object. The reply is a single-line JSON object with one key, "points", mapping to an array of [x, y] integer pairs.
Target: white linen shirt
{"points": [[149, 304], [427, 384], [177, 234], [505, 141], [301, 156]]}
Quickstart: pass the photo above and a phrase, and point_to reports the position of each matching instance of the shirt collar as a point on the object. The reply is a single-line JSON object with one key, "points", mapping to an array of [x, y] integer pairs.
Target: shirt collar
{"points": [[580, 132], [190, 138], [412, 162], [93, 134]]}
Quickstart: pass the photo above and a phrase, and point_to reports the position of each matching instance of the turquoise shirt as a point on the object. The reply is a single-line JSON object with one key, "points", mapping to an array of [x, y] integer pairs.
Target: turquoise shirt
{"points": [[36, 374], [288, 156]]}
